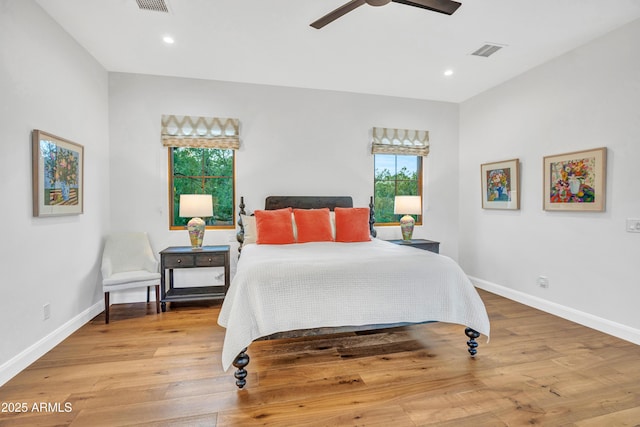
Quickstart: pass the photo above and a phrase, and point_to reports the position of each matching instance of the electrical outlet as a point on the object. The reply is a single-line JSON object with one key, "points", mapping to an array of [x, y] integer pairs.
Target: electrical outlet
{"points": [[633, 225], [543, 281], [46, 311]]}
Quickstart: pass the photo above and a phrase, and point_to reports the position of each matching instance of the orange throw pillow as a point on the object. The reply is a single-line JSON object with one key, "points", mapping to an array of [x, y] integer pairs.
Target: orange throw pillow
{"points": [[314, 225], [274, 227], [352, 225]]}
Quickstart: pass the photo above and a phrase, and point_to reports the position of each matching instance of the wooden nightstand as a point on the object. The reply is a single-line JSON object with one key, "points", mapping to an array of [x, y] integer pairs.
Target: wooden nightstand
{"points": [[427, 245], [185, 257]]}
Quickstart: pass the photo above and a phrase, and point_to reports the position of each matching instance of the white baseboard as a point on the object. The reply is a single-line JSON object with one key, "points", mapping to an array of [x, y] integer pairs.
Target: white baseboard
{"points": [[594, 322], [15, 365]]}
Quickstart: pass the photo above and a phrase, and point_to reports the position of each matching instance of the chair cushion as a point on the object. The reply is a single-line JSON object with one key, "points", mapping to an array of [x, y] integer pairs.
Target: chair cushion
{"points": [[132, 278]]}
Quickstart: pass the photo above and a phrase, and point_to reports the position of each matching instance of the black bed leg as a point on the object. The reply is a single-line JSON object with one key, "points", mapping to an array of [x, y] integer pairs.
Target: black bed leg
{"points": [[472, 344], [240, 362]]}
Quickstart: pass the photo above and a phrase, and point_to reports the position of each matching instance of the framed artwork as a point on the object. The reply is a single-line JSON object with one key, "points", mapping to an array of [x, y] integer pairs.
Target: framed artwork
{"points": [[58, 171], [501, 185], [575, 181]]}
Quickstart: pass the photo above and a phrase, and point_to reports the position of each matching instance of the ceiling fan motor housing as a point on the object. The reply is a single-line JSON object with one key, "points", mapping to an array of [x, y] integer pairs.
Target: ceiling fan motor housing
{"points": [[377, 2]]}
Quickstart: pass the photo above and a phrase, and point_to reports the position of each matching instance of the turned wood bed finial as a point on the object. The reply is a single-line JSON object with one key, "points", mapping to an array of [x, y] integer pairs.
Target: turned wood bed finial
{"points": [[240, 362], [472, 343], [372, 218], [240, 233]]}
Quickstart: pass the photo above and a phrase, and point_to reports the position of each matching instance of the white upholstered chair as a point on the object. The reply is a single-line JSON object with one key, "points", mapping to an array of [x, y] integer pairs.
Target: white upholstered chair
{"points": [[128, 262]]}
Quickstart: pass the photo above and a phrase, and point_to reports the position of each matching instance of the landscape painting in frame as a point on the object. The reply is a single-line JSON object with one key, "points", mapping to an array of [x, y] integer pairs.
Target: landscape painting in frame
{"points": [[501, 185], [575, 181], [58, 166]]}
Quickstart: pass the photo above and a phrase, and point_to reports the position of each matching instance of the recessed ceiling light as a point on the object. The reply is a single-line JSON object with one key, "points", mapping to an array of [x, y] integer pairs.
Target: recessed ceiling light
{"points": [[168, 39], [448, 72]]}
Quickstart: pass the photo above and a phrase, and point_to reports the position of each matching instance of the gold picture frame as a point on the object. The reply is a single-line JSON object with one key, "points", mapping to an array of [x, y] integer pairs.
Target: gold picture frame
{"points": [[575, 181], [501, 184], [58, 172]]}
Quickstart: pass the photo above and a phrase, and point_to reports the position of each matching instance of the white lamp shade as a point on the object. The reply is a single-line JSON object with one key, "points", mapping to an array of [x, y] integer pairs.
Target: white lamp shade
{"points": [[407, 205], [196, 205]]}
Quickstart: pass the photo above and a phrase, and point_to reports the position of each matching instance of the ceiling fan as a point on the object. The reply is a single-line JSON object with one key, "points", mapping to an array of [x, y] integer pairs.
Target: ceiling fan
{"points": [[442, 6]]}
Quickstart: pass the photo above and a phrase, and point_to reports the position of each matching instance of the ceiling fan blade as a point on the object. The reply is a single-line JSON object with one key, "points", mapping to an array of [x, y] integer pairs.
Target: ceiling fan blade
{"points": [[332, 16], [442, 6]]}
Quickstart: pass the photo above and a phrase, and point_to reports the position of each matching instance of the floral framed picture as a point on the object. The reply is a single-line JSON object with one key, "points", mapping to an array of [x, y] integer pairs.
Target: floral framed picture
{"points": [[58, 171], [575, 181], [501, 184]]}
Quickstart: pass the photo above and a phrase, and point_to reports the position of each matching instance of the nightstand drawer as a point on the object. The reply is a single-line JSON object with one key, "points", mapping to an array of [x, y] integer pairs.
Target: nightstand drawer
{"points": [[178, 261], [207, 260]]}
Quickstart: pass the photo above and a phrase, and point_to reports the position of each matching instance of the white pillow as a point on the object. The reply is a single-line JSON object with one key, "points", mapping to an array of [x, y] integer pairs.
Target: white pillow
{"points": [[250, 230], [295, 226], [332, 218]]}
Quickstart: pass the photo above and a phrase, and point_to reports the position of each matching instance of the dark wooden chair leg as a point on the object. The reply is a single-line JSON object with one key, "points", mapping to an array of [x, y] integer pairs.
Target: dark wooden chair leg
{"points": [[472, 344], [157, 298], [148, 290], [240, 362], [106, 307]]}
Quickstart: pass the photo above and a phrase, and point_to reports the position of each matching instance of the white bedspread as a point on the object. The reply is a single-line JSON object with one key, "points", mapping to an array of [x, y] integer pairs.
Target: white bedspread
{"points": [[301, 286]]}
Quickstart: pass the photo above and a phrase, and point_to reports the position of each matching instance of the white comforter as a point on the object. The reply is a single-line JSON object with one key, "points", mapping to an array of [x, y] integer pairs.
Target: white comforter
{"points": [[301, 286]]}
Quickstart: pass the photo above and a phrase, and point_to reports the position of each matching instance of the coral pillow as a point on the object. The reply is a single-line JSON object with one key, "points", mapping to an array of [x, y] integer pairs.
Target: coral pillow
{"points": [[274, 227], [314, 225], [352, 225]]}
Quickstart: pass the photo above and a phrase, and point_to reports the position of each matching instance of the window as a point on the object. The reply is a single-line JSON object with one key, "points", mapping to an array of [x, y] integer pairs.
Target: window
{"points": [[202, 161], [395, 175], [398, 155], [203, 171]]}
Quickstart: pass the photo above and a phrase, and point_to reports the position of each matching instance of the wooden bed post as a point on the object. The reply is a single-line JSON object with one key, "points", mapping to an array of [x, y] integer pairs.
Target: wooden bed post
{"points": [[472, 344], [372, 218], [240, 362], [240, 233]]}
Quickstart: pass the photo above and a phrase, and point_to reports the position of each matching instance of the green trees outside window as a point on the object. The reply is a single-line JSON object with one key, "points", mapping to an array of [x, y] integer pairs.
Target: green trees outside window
{"points": [[395, 175], [202, 171]]}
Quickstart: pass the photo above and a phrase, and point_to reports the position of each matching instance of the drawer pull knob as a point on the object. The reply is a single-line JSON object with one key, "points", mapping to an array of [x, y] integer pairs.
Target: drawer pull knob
{"points": [[179, 261], [209, 259]]}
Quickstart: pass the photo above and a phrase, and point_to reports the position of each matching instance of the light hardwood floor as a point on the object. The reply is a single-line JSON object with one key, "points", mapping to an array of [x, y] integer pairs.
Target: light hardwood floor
{"points": [[145, 369]]}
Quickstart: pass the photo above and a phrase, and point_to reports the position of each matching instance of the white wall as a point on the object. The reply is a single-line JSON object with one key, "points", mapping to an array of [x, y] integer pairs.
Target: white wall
{"points": [[47, 82], [293, 142], [585, 99]]}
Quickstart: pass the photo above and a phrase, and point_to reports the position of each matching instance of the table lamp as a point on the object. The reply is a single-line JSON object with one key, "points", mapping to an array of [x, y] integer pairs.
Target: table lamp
{"points": [[407, 205], [195, 206]]}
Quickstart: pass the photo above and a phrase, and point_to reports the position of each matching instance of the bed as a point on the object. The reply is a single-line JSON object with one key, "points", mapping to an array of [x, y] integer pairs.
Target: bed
{"points": [[325, 287]]}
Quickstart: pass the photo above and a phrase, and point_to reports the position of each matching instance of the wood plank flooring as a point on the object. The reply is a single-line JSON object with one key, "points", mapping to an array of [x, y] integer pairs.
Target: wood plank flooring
{"points": [[148, 369]]}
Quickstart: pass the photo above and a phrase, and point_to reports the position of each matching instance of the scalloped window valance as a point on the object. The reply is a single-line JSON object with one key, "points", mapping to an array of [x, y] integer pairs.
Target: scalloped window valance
{"points": [[200, 132], [400, 141]]}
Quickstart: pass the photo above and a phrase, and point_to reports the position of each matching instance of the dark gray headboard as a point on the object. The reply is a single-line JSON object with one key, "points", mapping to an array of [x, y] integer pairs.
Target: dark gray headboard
{"points": [[307, 202]]}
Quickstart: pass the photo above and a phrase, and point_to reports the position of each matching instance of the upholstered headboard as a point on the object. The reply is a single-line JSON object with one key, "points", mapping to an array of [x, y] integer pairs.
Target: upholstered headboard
{"points": [[303, 202], [307, 202]]}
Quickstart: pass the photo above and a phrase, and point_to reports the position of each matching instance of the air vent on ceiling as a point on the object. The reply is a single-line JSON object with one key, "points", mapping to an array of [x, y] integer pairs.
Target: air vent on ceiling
{"points": [[487, 50], [155, 5]]}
